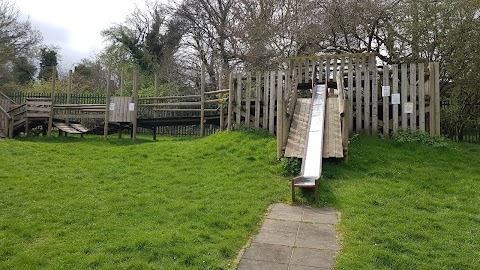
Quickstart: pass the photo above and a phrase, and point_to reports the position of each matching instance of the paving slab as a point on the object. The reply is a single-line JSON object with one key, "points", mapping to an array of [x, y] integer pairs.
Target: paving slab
{"points": [[313, 257], [268, 253], [294, 238], [247, 264], [276, 238], [281, 225]]}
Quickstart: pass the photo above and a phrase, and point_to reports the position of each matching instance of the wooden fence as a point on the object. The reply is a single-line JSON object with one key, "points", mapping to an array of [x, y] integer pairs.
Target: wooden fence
{"points": [[382, 99]]}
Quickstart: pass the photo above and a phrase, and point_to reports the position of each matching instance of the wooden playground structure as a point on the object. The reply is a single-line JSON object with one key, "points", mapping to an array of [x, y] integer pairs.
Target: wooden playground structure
{"points": [[378, 100]]}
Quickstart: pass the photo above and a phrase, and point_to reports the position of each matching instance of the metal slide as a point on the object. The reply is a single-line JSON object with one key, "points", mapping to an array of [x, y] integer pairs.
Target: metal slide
{"points": [[312, 159]]}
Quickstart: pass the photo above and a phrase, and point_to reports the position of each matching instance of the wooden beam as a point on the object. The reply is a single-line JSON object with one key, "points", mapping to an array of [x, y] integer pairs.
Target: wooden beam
{"points": [[107, 109], [135, 106], [202, 102], [50, 119]]}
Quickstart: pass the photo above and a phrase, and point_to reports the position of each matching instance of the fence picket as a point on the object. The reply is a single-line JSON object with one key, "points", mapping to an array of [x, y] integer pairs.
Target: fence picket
{"points": [[421, 97], [395, 91], [413, 96], [404, 95]]}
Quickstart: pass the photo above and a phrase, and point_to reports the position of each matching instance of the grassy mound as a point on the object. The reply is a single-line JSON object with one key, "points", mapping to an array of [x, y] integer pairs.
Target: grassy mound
{"points": [[177, 203], [407, 205]]}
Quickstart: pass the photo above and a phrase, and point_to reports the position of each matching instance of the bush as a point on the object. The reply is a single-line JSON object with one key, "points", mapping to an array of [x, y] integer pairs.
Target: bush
{"points": [[408, 136], [291, 166]]}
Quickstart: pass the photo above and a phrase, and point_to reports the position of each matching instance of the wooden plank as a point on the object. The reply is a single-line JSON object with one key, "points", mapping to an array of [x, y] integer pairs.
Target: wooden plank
{"points": [[332, 146], [404, 94], [185, 110], [80, 116], [271, 113], [38, 115], [413, 96], [367, 99], [170, 97], [66, 128], [266, 83], [216, 92], [107, 110], [374, 96], [202, 102], [358, 96], [395, 91], [350, 95], [258, 99], [431, 93], [327, 71], [421, 97], [280, 115], [238, 99], [50, 119], [38, 109], [231, 98], [34, 103], [248, 103], [436, 66], [135, 109], [335, 67], [386, 103]]}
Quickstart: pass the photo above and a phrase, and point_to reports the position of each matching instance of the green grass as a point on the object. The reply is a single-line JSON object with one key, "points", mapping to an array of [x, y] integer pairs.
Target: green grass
{"points": [[192, 203], [407, 205], [72, 203]]}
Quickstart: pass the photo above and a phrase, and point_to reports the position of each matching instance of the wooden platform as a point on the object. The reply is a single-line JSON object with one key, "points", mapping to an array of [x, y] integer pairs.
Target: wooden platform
{"points": [[298, 130], [66, 128]]}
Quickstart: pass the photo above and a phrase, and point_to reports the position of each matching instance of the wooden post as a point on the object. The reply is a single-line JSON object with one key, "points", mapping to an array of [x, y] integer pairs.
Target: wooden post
{"points": [[238, 99], [69, 94], [413, 96], [350, 96], [395, 91], [358, 96], [231, 96], [271, 113], [421, 97], [367, 97], [258, 98], [50, 119], [107, 107], [374, 95], [122, 82], [135, 106], [386, 108], [266, 88], [248, 102], [280, 115], [403, 98], [202, 102], [222, 113], [436, 67]]}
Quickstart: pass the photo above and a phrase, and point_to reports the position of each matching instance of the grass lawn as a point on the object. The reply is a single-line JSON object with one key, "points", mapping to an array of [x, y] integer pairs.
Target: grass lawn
{"points": [[192, 203], [72, 203], [407, 206]]}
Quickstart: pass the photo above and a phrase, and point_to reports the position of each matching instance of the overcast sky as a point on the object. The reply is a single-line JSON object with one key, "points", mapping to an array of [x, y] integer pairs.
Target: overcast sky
{"points": [[75, 25]]}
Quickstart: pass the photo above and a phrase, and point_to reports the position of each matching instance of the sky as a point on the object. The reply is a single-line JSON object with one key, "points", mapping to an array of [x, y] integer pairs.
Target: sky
{"points": [[74, 26]]}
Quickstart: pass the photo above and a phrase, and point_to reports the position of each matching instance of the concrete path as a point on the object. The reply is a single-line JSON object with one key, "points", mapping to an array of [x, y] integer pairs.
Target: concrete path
{"points": [[294, 238]]}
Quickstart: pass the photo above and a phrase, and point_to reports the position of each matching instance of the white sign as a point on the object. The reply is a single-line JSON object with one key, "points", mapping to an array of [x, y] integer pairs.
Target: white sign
{"points": [[385, 91], [112, 106], [131, 107], [408, 107], [396, 99]]}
